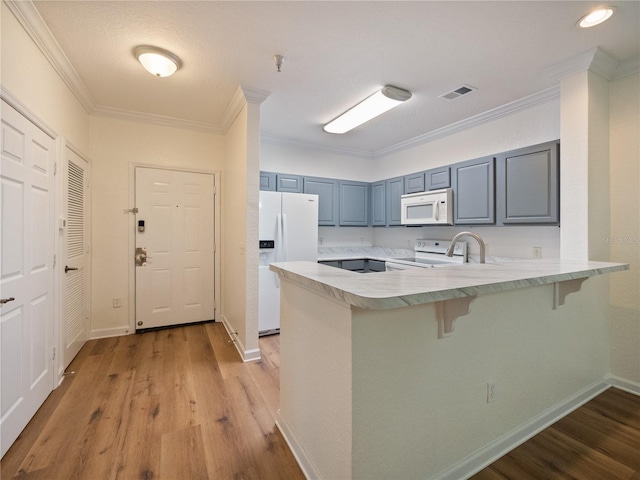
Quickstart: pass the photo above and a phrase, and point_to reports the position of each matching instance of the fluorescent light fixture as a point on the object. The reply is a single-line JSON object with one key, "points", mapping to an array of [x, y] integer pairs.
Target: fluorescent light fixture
{"points": [[378, 103], [596, 17], [157, 61]]}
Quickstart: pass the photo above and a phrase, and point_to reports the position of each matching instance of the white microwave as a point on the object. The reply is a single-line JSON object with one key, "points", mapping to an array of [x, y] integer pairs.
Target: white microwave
{"points": [[428, 208]]}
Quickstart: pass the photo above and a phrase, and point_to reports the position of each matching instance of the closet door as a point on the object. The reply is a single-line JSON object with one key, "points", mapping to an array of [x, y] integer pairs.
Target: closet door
{"points": [[75, 283], [26, 279]]}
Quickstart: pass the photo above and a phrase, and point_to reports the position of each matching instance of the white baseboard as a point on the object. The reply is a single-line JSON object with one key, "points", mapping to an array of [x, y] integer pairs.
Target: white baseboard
{"points": [[306, 465], [625, 385], [108, 332], [496, 449], [246, 355]]}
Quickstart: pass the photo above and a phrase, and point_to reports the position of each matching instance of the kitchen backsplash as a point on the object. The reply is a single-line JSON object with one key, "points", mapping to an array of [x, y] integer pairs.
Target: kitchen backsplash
{"points": [[512, 242]]}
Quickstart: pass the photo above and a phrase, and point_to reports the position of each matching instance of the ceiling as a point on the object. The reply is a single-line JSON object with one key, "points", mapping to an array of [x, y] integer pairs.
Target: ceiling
{"points": [[336, 53]]}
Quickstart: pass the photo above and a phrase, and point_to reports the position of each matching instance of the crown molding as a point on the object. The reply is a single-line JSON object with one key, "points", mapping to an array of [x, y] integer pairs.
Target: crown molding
{"points": [[288, 142], [102, 111], [544, 96], [626, 68], [595, 60], [242, 96], [30, 19]]}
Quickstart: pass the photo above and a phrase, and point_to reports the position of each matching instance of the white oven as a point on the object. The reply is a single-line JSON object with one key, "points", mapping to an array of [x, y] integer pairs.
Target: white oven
{"points": [[427, 208]]}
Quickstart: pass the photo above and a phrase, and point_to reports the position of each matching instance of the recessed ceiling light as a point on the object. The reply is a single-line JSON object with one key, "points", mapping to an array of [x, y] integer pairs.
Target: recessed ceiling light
{"points": [[596, 17], [157, 61]]}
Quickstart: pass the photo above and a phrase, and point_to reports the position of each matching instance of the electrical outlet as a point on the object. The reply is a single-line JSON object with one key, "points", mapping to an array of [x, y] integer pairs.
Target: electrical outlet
{"points": [[491, 392], [537, 252]]}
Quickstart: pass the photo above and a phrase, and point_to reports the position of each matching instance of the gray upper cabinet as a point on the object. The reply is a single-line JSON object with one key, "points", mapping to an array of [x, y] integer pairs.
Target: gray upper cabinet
{"points": [[414, 183], [327, 191], [268, 181], [354, 203], [394, 190], [378, 204], [528, 185], [289, 183], [473, 184], [437, 178]]}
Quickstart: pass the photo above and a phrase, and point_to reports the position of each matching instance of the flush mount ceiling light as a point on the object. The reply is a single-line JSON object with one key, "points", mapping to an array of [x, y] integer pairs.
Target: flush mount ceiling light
{"points": [[596, 17], [378, 103], [157, 61]]}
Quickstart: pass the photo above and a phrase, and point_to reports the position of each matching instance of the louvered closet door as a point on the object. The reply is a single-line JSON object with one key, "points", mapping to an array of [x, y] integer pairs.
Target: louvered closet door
{"points": [[76, 263]]}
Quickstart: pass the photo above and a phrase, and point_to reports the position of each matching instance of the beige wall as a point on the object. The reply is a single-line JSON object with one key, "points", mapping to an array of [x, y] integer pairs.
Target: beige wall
{"points": [[624, 238], [116, 144], [29, 77]]}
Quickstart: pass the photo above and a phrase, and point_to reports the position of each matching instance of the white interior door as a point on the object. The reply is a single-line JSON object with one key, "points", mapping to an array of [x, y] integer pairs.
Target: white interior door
{"points": [[26, 322], [75, 284], [175, 227]]}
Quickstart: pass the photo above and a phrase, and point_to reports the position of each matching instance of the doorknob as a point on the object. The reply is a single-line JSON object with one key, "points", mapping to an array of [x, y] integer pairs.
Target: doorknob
{"points": [[6, 300], [68, 268]]}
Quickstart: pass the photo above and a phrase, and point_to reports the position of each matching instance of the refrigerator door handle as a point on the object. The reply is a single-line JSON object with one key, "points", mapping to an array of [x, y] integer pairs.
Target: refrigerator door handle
{"points": [[284, 237]]}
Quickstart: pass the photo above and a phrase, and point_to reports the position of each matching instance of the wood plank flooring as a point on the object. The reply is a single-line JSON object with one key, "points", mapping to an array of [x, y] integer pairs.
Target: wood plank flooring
{"points": [[600, 440], [179, 404], [170, 404]]}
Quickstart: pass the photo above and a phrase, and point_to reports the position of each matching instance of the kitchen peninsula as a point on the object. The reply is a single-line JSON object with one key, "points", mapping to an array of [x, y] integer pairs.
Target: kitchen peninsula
{"points": [[386, 375]]}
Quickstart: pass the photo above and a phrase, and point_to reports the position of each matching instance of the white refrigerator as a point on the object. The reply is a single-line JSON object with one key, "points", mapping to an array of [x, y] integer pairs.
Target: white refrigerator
{"points": [[288, 233]]}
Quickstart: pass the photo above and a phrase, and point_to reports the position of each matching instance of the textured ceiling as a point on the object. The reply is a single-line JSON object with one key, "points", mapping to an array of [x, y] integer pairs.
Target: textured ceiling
{"points": [[336, 53]]}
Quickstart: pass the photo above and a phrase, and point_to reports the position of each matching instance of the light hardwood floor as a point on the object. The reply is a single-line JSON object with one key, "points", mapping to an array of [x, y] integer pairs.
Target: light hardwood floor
{"points": [[178, 404], [171, 404]]}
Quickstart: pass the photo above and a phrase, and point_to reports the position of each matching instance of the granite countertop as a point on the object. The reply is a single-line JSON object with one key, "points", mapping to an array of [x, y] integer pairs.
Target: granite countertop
{"points": [[384, 290]]}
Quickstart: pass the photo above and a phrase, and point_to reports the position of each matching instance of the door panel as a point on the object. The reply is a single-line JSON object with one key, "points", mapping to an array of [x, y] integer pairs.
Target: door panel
{"points": [[75, 282], [26, 272], [176, 285]]}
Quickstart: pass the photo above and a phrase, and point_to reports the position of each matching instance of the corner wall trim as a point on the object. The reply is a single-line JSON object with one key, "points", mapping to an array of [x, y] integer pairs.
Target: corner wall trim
{"points": [[246, 355]]}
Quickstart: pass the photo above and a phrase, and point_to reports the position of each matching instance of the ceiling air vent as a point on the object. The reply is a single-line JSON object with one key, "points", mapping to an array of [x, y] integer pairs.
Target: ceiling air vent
{"points": [[458, 92]]}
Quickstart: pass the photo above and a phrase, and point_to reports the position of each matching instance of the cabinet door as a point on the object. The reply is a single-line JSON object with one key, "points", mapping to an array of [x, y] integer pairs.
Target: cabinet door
{"points": [[437, 178], [474, 191], [268, 181], [327, 191], [414, 183], [378, 205], [288, 183], [528, 187], [395, 189], [354, 203]]}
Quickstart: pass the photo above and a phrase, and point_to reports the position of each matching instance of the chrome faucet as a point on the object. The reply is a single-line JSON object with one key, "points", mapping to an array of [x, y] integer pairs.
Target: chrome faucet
{"points": [[470, 234]]}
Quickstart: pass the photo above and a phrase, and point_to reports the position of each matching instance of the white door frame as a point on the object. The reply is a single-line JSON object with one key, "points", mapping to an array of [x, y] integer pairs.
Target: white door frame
{"points": [[132, 235]]}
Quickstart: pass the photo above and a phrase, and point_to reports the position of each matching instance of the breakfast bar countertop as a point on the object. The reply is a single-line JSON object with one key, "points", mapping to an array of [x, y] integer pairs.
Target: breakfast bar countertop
{"points": [[385, 290]]}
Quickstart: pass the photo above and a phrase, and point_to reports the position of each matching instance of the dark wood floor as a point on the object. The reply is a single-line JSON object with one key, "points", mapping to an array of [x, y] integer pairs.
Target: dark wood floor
{"points": [[171, 404], [178, 404]]}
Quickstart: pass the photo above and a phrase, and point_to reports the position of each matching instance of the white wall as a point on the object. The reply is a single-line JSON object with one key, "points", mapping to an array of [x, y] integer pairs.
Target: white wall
{"points": [[624, 237], [317, 163], [115, 145]]}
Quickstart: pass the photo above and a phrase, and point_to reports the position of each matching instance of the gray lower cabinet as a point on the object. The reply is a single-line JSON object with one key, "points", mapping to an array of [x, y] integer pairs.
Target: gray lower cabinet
{"points": [[354, 203], [268, 181], [327, 191], [394, 190], [289, 183], [414, 183], [437, 178], [473, 184], [378, 204], [528, 185]]}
